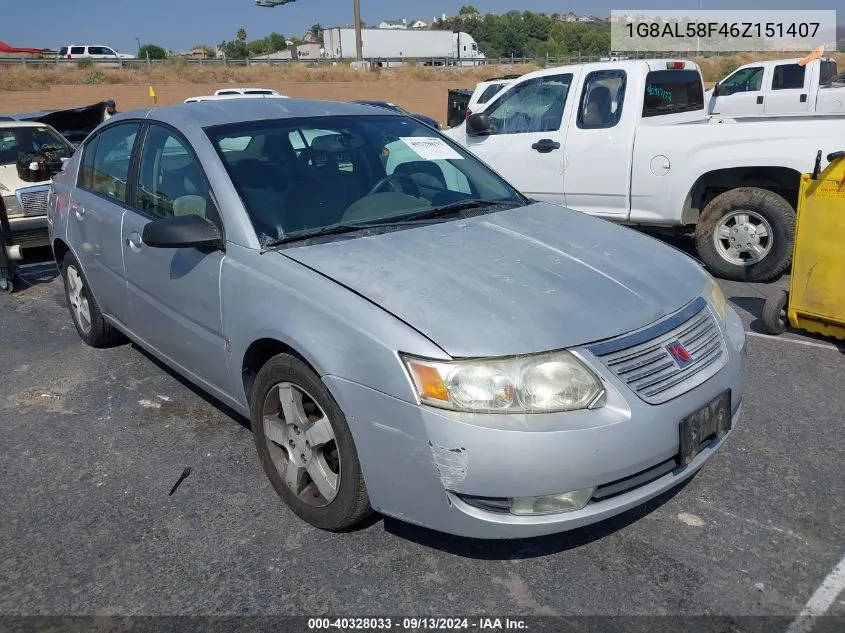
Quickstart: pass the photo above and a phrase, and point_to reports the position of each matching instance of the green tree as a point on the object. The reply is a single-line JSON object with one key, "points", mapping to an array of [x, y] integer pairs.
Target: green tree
{"points": [[276, 42], [317, 31], [468, 10], [151, 51], [238, 49]]}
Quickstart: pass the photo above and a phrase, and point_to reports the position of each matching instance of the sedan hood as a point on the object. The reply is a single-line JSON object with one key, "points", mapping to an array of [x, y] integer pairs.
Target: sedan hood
{"points": [[528, 279]]}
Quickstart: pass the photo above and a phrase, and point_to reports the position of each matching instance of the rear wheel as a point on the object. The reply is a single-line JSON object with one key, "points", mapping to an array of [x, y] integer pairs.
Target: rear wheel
{"points": [[305, 445], [746, 234], [92, 328], [775, 318]]}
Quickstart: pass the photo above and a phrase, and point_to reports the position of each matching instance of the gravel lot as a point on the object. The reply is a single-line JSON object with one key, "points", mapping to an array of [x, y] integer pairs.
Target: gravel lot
{"points": [[92, 442]]}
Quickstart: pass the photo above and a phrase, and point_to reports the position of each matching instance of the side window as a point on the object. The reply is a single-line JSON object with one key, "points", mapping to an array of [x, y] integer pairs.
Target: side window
{"points": [[745, 80], [112, 153], [86, 174], [95, 50], [170, 181], [77, 50], [107, 51], [602, 99], [535, 105], [788, 77]]}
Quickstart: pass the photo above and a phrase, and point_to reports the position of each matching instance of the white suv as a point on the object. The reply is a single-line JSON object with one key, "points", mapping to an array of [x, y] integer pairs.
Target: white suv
{"points": [[87, 51]]}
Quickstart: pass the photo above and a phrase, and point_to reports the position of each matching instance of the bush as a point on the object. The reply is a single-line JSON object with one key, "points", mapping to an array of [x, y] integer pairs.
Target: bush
{"points": [[85, 62], [152, 51]]}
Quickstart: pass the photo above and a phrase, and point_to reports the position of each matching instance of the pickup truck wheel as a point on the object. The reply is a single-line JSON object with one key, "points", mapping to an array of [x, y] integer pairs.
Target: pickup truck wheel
{"points": [[746, 234], [305, 445]]}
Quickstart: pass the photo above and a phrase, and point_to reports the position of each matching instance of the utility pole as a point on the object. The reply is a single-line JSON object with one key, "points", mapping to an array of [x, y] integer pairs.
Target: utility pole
{"points": [[359, 55]]}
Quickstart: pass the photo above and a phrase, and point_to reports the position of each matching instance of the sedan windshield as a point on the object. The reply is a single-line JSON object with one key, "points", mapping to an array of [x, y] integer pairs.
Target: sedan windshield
{"points": [[15, 141], [309, 176]]}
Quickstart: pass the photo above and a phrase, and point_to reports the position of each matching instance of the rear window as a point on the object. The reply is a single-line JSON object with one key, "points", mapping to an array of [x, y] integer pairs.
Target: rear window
{"points": [[489, 92], [63, 51], [672, 91], [258, 92], [827, 72]]}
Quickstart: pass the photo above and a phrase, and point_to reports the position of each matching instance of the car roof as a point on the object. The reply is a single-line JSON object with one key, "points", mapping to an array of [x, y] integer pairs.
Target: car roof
{"points": [[221, 112], [16, 124]]}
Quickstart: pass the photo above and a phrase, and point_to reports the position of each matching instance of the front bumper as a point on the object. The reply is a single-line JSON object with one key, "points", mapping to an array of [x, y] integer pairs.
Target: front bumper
{"points": [[29, 231], [418, 461]]}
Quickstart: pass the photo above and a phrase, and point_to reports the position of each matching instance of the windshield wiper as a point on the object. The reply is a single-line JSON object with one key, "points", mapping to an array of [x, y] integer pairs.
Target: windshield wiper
{"points": [[459, 205], [334, 229], [414, 218]]}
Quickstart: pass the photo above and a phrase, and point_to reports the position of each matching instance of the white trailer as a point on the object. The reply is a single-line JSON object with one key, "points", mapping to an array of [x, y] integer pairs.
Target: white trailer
{"points": [[380, 45]]}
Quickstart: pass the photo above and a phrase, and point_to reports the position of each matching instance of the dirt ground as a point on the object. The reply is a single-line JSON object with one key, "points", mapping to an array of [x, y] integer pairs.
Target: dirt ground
{"points": [[424, 97]]}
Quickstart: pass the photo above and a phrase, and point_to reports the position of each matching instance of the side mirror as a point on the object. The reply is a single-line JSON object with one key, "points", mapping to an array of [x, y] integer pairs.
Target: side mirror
{"points": [[478, 124], [182, 231], [717, 90]]}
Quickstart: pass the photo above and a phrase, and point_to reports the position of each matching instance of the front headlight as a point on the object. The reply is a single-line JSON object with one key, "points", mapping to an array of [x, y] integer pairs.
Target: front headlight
{"points": [[538, 383], [12, 205], [717, 298]]}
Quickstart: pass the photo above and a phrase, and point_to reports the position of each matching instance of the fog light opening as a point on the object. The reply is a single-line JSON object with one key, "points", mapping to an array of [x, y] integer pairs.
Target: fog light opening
{"points": [[551, 504]]}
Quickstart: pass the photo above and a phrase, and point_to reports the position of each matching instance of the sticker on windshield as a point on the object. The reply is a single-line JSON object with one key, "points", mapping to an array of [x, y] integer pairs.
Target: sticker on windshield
{"points": [[430, 148]]}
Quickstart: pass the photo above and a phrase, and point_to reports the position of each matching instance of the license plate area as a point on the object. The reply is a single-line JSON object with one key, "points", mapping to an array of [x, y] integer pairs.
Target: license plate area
{"points": [[712, 421]]}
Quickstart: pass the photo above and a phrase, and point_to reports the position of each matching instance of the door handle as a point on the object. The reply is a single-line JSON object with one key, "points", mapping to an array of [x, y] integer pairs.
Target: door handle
{"points": [[546, 145], [759, 100], [134, 242], [803, 98], [79, 211]]}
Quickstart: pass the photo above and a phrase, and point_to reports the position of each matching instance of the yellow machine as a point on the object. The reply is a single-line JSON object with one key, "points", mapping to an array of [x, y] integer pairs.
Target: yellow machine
{"points": [[815, 301]]}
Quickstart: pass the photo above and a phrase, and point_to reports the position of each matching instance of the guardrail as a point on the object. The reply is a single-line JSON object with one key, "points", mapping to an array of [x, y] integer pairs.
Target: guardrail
{"points": [[430, 61]]}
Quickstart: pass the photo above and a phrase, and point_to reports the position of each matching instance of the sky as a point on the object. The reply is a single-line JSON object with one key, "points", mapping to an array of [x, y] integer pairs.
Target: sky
{"points": [[178, 25]]}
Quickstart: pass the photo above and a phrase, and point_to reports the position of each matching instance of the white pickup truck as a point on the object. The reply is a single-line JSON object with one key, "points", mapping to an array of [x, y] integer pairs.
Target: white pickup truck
{"points": [[630, 141], [779, 86]]}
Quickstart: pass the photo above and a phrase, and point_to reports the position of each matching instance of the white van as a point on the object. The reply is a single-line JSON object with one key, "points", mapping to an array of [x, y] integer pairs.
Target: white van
{"points": [[87, 51]]}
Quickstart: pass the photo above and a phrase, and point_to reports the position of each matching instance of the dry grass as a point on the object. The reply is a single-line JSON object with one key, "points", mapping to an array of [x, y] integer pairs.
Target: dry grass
{"points": [[37, 78]]}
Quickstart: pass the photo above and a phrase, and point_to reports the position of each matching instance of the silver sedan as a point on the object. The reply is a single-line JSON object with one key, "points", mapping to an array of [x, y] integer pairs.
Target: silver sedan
{"points": [[407, 332]]}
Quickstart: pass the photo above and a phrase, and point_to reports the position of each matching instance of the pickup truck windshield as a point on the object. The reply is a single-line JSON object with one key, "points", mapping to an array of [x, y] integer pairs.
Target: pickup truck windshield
{"points": [[305, 175], [672, 91], [15, 141]]}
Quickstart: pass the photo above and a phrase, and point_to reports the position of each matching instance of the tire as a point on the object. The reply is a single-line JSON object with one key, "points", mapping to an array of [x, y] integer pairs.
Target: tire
{"points": [[764, 209], [7, 284], [95, 330], [775, 320], [351, 503]]}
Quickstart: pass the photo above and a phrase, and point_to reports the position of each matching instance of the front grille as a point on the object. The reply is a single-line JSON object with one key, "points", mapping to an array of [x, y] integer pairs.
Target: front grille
{"points": [[34, 202], [643, 361]]}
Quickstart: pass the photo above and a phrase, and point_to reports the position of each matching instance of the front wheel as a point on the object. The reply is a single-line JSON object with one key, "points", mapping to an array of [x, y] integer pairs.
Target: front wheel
{"points": [[305, 445], [7, 284], [746, 234]]}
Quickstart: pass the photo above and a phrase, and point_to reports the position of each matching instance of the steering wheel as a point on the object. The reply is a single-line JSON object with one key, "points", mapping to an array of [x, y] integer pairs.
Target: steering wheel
{"points": [[392, 180]]}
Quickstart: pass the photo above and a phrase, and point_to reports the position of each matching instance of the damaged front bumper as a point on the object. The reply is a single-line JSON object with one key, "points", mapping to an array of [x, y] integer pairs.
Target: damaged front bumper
{"points": [[441, 469], [475, 475]]}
